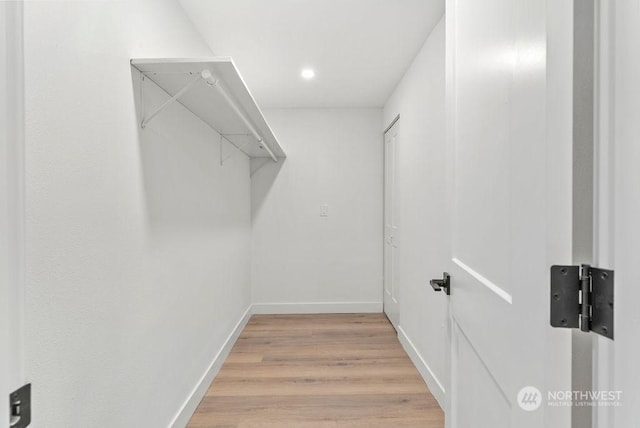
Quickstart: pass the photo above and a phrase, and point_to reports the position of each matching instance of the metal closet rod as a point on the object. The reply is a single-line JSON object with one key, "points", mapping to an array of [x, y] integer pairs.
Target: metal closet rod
{"points": [[214, 83]]}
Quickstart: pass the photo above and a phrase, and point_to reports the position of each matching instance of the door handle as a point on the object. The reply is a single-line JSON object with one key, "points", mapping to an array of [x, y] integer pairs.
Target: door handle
{"points": [[440, 284]]}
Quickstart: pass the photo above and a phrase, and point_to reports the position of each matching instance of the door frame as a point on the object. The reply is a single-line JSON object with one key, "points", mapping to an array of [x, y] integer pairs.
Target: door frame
{"points": [[384, 219], [604, 120], [11, 202]]}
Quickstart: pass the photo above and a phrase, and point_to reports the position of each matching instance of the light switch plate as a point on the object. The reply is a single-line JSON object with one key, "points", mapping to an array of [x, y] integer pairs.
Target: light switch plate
{"points": [[324, 210]]}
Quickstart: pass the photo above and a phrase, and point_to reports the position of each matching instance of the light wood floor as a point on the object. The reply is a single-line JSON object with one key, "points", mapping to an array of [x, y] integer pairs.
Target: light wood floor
{"points": [[318, 371]]}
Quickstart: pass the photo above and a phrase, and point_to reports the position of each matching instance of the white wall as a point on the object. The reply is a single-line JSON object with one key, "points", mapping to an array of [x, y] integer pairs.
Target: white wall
{"points": [[302, 262], [138, 241], [423, 236]]}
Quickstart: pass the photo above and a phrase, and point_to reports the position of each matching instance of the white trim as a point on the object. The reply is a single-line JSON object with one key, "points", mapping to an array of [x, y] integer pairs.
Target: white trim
{"points": [[318, 308], [484, 281], [432, 381], [12, 218], [191, 404], [603, 349]]}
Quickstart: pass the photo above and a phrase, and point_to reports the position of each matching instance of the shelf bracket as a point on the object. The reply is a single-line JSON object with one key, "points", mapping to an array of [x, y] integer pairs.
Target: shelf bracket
{"points": [[213, 82], [171, 100]]}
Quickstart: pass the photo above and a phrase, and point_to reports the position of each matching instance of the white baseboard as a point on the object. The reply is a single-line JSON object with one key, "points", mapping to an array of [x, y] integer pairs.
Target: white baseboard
{"points": [[190, 406], [435, 386], [318, 308]]}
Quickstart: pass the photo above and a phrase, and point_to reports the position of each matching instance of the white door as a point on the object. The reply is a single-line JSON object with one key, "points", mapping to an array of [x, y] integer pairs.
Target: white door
{"points": [[391, 295], [617, 372], [509, 141], [11, 213]]}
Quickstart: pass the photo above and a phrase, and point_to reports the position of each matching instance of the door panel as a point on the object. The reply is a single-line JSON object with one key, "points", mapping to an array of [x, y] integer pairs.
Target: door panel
{"points": [[483, 79], [477, 382], [391, 253], [498, 80]]}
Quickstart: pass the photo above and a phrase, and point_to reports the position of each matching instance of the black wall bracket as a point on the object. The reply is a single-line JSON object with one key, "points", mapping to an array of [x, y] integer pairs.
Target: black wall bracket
{"points": [[582, 297]]}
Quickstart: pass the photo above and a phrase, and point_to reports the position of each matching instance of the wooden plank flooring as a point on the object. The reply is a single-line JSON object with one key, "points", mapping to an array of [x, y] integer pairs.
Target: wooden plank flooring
{"points": [[342, 370]]}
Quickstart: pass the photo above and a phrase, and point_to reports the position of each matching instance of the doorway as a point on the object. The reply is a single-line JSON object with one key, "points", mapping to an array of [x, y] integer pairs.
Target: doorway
{"points": [[391, 300]]}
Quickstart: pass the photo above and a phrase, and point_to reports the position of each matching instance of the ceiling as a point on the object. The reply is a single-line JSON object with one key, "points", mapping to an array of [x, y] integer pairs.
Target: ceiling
{"points": [[359, 49]]}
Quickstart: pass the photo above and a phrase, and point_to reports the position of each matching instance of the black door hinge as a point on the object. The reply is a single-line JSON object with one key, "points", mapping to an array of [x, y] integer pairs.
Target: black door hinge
{"points": [[582, 297], [20, 407]]}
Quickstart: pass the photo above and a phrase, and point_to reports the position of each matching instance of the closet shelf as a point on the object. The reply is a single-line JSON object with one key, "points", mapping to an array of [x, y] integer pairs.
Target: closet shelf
{"points": [[213, 90]]}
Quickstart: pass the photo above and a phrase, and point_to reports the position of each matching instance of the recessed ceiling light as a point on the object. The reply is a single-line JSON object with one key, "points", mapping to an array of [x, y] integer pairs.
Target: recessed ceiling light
{"points": [[308, 73]]}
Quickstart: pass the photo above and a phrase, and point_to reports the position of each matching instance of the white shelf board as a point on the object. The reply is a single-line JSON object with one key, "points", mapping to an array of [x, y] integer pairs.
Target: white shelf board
{"points": [[173, 74]]}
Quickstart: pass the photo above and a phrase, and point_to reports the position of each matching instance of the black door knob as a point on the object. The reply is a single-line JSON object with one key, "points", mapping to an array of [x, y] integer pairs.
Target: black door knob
{"points": [[442, 284]]}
